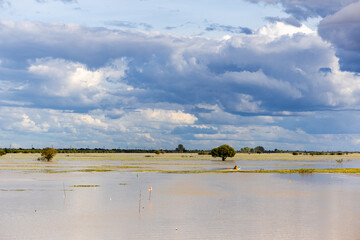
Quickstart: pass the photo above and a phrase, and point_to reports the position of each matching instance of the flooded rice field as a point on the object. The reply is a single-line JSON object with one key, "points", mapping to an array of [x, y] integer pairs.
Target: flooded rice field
{"points": [[93, 196]]}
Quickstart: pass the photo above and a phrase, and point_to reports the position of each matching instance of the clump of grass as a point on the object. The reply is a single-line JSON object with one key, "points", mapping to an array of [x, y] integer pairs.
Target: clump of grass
{"points": [[149, 156], [306, 170], [159, 151], [123, 184], [203, 153], [339, 161]]}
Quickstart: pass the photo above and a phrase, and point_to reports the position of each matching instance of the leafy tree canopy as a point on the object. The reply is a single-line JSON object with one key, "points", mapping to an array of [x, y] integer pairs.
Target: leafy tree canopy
{"points": [[180, 148], [48, 153], [223, 151], [2, 152]]}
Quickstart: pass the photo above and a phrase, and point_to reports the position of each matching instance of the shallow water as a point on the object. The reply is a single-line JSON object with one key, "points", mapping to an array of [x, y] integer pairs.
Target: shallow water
{"points": [[171, 162], [200, 206]]}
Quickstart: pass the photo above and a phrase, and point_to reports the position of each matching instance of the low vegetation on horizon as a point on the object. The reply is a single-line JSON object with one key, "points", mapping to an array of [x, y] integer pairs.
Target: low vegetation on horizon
{"points": [[179, 149]]}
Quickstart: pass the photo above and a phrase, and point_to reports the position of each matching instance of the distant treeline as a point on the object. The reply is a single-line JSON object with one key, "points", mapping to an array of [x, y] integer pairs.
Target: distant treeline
{"points": [[257, 150], [260, 149], [97, 150], [319, 153]]}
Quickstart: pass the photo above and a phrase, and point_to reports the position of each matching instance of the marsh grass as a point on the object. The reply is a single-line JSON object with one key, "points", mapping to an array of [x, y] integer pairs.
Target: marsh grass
{"points": [[283, 171], [172, 163], [14, 190], [339, 161]]}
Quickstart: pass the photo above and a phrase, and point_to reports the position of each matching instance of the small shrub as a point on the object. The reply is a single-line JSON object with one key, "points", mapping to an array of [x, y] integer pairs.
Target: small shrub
{"points": [[295, 153], [48, 154], [339, 153], [2, 152], [203, 153], [159, 151], [339, 161]]}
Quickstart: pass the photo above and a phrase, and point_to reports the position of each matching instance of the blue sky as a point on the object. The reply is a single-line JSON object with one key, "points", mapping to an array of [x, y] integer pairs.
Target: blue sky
{"points": [[152, 74]]}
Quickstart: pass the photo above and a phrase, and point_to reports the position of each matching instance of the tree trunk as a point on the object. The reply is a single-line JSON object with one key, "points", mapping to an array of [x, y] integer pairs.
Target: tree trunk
{"points": [[223, 158]]}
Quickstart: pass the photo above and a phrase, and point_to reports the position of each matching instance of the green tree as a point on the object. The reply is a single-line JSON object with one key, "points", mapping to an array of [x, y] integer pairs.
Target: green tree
{"points": [[48, 153], [223, 151], [180, 149], [2, 152], [245, 150], [259, 149]]}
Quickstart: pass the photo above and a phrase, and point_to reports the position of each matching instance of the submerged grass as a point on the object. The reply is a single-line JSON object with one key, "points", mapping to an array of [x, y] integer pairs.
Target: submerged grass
{"points": [[14, 190], [180, 163], [104, 168], [84, 186], [189, 171], [283, 171], [308, 171]]}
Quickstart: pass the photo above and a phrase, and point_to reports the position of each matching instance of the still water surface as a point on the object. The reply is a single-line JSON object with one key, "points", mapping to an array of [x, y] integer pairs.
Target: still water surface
{"points": [[118, 205]]}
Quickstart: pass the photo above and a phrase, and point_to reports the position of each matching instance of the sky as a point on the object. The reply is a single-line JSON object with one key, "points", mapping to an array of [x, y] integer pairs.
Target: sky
{"points": [[153, 74]]}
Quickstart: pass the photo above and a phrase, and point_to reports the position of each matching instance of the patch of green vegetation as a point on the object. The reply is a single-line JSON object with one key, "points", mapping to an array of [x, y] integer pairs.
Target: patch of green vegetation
{"points": [[203, 153], [305, 170], [84, 186], [124, 184], [159, 151], [339, 161]]}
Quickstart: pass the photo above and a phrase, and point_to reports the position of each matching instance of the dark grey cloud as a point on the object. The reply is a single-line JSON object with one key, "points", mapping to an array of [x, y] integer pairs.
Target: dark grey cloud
{"points": [[64, 66], [127, 24], [290, 20], [228, 28], [304, 9], [343, 30]]}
